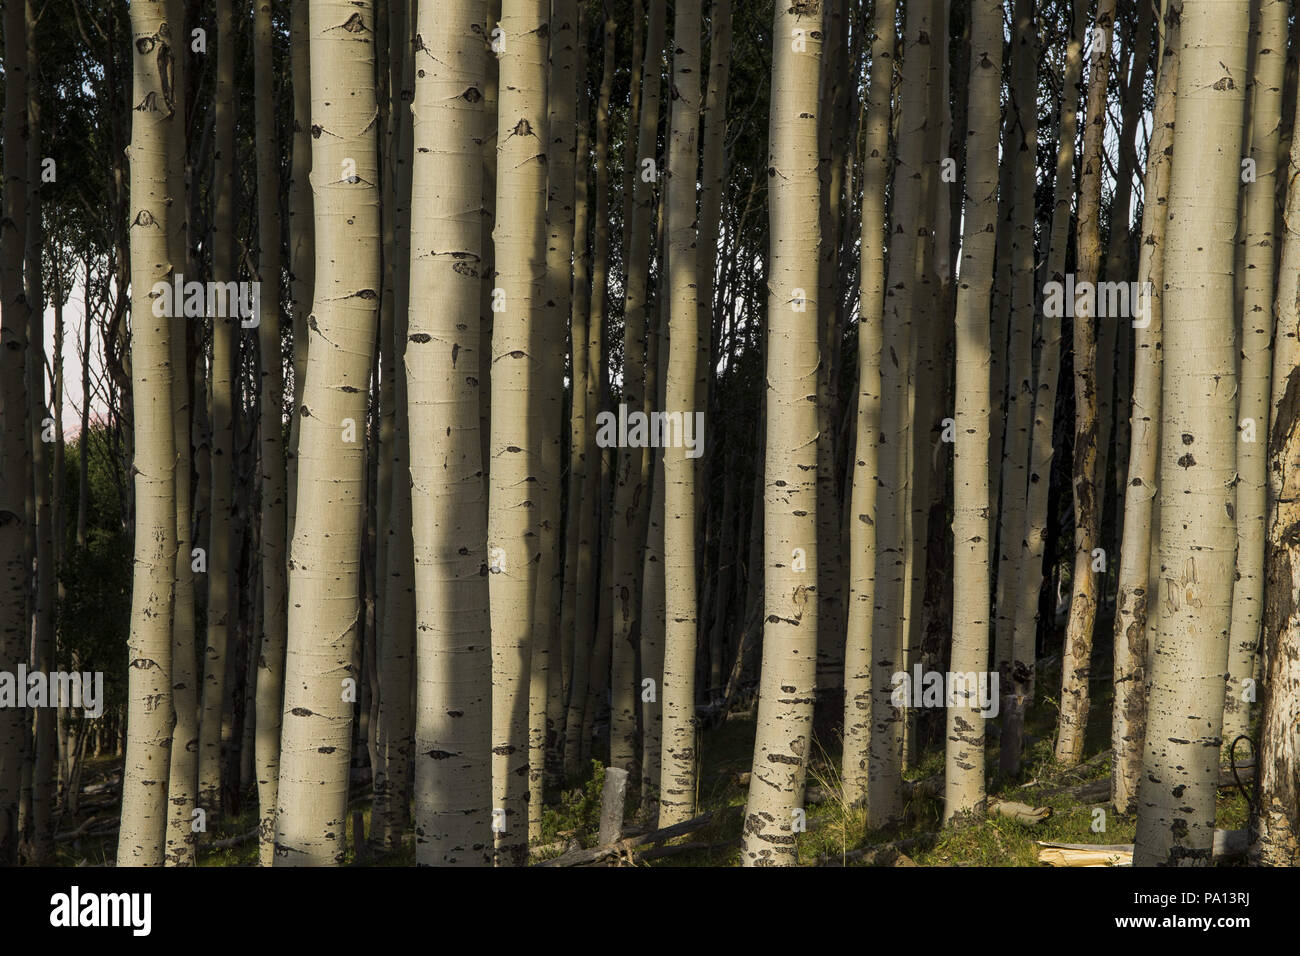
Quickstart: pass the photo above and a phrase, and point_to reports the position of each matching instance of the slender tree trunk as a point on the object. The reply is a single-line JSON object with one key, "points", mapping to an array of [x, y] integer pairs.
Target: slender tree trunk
{"points": [[928, 361], [1118, 268], [391, 816], [865, 702], [1176, 795], [270, 653], [560, 216], [222, 549], [549, 336], [324, 573], [1255, 367], [629, 492], [774, 810], [302, 241], [1013, 465], [1076, 661], [594, 624], [514, 496], [1277, 840], [678, 768], [1038, 535], [453, 792], [149, 703], [576, 623], [964, 754], [13, 407], [45, 729], [1135, 600], [893, 535], [183, 777]]}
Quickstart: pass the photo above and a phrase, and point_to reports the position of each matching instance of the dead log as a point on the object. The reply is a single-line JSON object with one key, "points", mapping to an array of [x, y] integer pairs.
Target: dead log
{"points": [[883, 854], [597, 853], [1228, 845]]}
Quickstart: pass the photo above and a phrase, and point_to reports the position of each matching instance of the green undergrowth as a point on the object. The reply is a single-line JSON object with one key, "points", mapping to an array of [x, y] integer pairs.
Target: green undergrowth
{"points": [[834, 830]]}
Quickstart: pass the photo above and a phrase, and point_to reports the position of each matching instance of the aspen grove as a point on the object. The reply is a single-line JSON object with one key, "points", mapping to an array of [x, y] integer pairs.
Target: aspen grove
{"points": [[601, 432]]}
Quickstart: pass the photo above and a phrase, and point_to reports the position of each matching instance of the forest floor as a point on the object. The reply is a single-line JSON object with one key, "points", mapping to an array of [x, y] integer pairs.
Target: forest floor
{"points": [[836, 834]]}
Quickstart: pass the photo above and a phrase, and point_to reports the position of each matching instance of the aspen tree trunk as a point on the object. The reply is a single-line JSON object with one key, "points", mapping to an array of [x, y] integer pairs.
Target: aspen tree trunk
{"points": [[302, 256], [830, 596], [774, 810], [183, 775], [652, 583], [1036, 530], [1001, 313], [550, 398], [45, 725], [652, 646], [560, 221], [453, 792], [1012, 471], [324, 572], [1076, 661], [595, 624], [1118, 268], [862, 705], [13, 408], [270, 653], [893, 534], [221, 554], [1135, 601], [1277, 842], [929, 389], [713, 188], [577, 623], [1176, 795], [1269, 64], [598, 397], [391, 815], [1114, 266], [964, 753], [513, 547], [629, 492], [678, 768], [149, 705]]}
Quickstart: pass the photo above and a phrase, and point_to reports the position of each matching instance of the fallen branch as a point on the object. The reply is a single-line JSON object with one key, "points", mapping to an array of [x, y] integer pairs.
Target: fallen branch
{"points": [[883, 854], [628, 844], [1020, 812], [81, 831], [1098, 791], [1228, 845], [228, 842]]}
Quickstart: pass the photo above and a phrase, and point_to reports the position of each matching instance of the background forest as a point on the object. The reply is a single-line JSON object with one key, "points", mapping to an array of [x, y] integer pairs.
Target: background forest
{"points": [[594, 432]]}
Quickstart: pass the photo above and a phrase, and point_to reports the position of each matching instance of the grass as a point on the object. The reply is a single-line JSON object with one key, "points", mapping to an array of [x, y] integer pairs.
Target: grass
{"points": [[833, 827]]}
